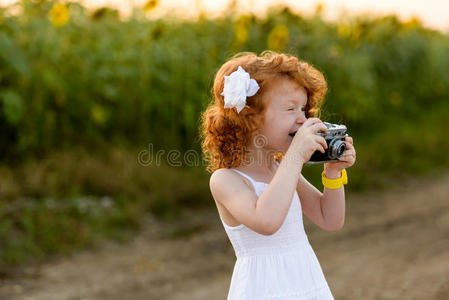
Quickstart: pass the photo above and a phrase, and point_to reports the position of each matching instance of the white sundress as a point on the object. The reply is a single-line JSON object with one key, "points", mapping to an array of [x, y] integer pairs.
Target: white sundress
{"points": [[281, 266]]}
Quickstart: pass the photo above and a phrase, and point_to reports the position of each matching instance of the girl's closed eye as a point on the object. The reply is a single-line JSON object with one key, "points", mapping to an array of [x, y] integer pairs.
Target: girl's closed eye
{"points": [[302, 108]]}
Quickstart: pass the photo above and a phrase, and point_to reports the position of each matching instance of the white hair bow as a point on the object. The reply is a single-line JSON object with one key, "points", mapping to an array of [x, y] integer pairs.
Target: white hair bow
{"points": [[238, 85]]}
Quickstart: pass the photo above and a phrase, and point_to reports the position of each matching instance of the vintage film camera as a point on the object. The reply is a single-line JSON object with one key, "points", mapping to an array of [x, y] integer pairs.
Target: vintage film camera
{"points": [[336, 146]]}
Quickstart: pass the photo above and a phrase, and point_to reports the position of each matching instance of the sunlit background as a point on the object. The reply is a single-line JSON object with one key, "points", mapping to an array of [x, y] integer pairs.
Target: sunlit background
{"points": [[95, 96], [433, 13]]}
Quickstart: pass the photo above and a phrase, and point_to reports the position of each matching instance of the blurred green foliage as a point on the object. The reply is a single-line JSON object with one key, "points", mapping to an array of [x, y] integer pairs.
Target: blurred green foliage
{"points": [[98, 78], [72, 78], [69, 200]]}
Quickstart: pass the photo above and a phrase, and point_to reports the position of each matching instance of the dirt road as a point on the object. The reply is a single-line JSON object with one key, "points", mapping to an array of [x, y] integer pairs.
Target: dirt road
{"points": [[394, 245]]}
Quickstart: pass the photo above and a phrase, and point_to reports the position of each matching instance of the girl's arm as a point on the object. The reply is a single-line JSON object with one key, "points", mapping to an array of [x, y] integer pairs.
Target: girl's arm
{"points": [[326, 210], [266, 213]]}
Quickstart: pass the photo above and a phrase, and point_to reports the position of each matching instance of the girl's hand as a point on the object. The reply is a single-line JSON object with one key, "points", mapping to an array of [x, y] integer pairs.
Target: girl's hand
{"points": [[347, 160], [306, 140]]}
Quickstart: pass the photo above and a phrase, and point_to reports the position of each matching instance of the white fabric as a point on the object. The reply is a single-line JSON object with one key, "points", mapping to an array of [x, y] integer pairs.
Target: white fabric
{"points": [[237, 86], [282, 266]]}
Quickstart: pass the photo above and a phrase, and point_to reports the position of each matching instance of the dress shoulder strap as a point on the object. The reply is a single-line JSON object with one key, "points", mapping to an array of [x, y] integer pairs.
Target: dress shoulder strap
{"points": [[247, 176]]}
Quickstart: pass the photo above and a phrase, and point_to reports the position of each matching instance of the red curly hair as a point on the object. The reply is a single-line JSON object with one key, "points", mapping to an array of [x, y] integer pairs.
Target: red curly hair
{"points": [[226, 133]]}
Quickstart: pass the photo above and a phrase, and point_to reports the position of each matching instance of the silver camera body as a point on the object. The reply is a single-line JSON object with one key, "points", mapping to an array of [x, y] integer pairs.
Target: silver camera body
{"points": [[336, 146]]}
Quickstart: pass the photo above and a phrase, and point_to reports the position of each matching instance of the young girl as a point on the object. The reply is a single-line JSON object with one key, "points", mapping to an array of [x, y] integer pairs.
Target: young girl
{"points": [[258, 132]]}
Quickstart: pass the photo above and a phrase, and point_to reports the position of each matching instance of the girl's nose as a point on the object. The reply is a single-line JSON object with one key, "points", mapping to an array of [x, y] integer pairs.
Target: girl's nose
{"points": [[301, 118]]}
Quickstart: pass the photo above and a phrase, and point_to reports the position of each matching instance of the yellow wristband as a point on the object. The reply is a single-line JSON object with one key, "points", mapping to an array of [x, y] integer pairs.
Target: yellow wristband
{"points": [[344, 176], [334, 183]]}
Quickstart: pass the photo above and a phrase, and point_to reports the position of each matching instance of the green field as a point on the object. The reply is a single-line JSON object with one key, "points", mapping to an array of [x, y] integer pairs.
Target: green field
{"points": [[82, 94]]}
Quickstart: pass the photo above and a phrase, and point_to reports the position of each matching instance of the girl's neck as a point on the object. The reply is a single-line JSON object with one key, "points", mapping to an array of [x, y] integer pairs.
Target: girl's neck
{"points": [[259, 161]]}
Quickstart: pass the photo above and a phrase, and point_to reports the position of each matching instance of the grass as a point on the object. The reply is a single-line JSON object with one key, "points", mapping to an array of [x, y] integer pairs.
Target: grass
{"points": [[68, 200], [57, 198]]}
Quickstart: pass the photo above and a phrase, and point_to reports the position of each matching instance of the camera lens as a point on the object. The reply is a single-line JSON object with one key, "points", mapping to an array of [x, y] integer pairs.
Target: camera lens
{"points": [[336, 149], [341, 150]]}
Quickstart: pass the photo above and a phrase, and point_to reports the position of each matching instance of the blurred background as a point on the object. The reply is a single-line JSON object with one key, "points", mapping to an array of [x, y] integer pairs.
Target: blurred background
{"points": [[103, 188]]}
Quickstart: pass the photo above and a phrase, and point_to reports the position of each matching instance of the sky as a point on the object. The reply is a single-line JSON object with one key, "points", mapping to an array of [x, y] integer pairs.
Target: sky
{"points": [[433, 13]]}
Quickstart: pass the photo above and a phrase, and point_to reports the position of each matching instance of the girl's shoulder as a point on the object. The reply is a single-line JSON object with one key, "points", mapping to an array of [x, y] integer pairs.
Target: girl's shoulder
{"points": [[227, 177]]}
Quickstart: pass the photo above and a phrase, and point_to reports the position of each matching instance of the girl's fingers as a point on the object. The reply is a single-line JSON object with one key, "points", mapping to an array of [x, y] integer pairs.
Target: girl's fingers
{"points": [[350, 150], [349, 146], [318, 127], [321, 149], [350, 155], [350, 158], [321, 141], [346, 159], [349, 140], [311, 122]]}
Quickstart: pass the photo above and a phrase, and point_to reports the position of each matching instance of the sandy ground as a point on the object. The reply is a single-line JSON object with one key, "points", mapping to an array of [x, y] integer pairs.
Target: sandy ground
{"points": [[394, 245]]}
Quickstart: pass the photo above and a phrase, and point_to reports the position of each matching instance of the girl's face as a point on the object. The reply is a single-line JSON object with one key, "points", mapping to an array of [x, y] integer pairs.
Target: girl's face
{"points": [[285, 113]]}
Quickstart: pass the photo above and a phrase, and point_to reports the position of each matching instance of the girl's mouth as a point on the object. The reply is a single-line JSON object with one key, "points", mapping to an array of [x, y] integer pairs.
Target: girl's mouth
{"points": [[292, 134]]}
